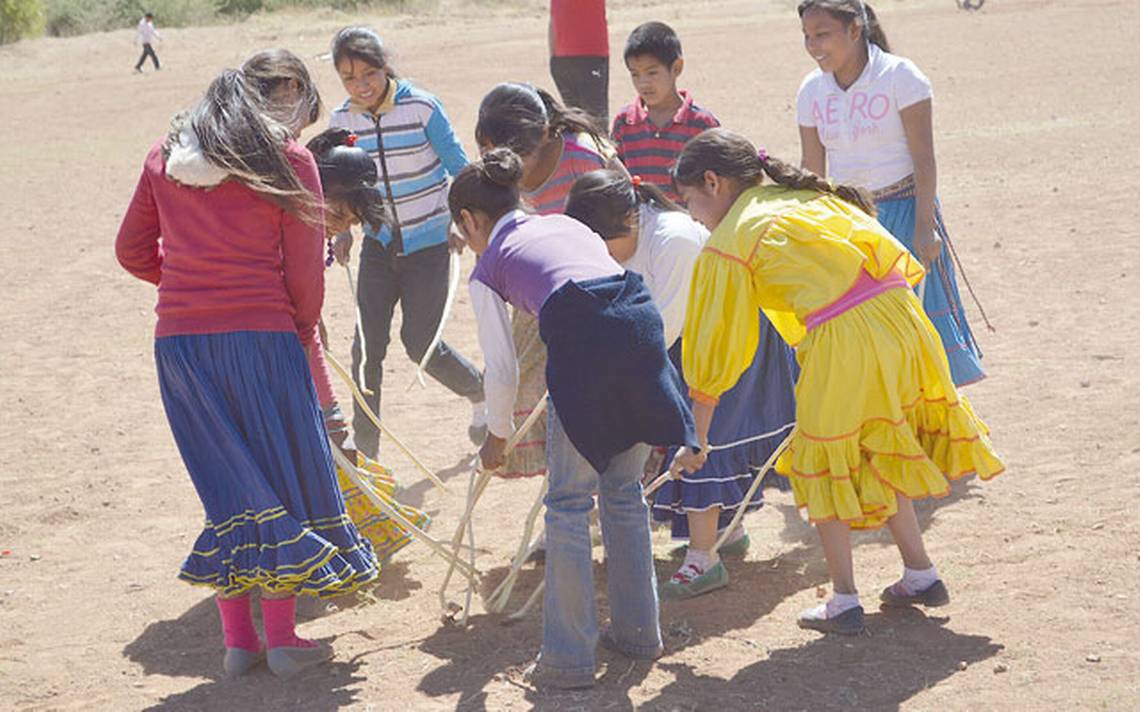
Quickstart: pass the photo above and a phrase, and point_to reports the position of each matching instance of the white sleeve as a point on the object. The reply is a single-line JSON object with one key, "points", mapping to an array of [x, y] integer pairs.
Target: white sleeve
{"points": [[910, 85], [501, 367], [804, 114], [672, 273]]}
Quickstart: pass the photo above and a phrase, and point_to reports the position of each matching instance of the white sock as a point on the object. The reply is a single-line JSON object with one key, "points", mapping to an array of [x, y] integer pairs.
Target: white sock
{"points": [[703, 560], [915, 580], [841, 602], [479, 414]]}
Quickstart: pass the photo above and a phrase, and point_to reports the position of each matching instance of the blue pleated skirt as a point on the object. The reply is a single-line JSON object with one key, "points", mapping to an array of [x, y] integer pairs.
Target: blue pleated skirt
{"points": [[942, 303], [244, 414], [751, 420]]}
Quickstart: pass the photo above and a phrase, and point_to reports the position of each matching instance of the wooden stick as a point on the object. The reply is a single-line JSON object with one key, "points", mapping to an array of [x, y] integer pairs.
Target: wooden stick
{"points": [[752, 490], [922, 292], [434, 544], [359, 328], [534, 596], [336, 365], [480, 479], [453, 274], [498, 599]]}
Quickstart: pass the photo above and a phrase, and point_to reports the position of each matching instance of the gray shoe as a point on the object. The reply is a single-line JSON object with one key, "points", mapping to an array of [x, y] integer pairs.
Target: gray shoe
{"points": [[547, 678], [849, 622], [239, 661], [285, 661], [932, 596], [606, 638]]}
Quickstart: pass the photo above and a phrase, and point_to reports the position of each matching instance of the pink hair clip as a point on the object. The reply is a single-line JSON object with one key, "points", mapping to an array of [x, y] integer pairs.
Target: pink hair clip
{"points": [[762, 155], [636, 180], [350, 140]]}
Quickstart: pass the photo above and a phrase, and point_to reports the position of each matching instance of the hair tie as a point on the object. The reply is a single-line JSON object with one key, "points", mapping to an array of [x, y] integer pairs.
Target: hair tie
{"points": [[636, 180], [762, 155], [350, 140]]}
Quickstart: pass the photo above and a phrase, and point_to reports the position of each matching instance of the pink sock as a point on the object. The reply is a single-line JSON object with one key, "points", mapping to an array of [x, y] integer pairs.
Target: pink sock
{"points": [[278, 614], [237, 623]]}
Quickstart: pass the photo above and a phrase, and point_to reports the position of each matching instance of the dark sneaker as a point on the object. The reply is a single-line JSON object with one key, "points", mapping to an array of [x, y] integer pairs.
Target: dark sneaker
{"points": [[606, 638], [849, 622], [689, 581], [545, 678], [932, 596]]}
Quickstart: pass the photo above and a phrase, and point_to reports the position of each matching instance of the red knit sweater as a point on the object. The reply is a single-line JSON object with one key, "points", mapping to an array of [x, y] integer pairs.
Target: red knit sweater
{"points": [[226, 259]]}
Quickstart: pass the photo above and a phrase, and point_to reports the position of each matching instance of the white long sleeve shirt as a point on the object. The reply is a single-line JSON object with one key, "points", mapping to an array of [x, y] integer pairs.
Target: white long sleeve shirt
{"points": [[146, 32], [668, 244]]}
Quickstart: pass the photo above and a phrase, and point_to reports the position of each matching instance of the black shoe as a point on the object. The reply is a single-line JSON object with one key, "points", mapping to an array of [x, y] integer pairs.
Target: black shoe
{"points": [[932, 596], [849, 622]]}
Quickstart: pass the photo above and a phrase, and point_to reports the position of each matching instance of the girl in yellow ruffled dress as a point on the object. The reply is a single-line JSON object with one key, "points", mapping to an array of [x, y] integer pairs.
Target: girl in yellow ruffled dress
{"points": [[879, 422]]}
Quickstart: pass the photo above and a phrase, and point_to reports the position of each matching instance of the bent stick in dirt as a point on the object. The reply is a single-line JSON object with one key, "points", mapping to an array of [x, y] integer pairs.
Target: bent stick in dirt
{"points": [[498, 599], [481, 477], [452, 288], [353, 473], [359, 328], [340, 370]]}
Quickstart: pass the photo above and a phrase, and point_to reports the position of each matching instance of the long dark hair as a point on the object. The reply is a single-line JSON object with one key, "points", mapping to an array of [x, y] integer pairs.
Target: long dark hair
{"points": [[348, 175], [236, 135], [361, 43], [489, 185], [848, 11], [520, 116], [271, 69], [729, 154], [605, 200]]}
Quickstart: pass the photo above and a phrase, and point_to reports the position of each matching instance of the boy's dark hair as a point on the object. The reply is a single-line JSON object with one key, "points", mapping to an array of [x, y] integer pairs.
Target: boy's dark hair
{"points": [[729, 154], [269, 69], [656, 39], [363, 44], [148, 15], [605, 200], [238, 136], [519, 117], [489, 185], [348, 175], [848, 11]]}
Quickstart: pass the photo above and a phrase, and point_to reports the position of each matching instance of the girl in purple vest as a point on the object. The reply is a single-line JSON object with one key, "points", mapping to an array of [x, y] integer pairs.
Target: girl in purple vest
{"points": [[613, 390]]}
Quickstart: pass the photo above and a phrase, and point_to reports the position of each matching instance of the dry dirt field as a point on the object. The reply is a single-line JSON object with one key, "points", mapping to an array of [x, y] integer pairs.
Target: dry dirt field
{"points": [[1035, 121]]}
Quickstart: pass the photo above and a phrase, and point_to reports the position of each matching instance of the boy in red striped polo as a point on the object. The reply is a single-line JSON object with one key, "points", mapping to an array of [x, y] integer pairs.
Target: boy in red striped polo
{"points": [[650, 132]]}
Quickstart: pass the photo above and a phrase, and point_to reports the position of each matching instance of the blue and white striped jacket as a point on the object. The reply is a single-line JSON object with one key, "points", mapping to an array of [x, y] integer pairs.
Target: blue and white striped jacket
{"points": [[420, 152]]}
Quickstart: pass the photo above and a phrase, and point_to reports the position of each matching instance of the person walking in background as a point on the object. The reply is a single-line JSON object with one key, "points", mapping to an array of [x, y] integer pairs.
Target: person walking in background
{"points": [[580, 55], [147, 35]]}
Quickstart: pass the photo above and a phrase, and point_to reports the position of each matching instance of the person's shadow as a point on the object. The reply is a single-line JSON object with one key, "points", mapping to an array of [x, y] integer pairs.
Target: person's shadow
{"points": [[414, 496], [489, 651], [905, 654], [191, 646]]}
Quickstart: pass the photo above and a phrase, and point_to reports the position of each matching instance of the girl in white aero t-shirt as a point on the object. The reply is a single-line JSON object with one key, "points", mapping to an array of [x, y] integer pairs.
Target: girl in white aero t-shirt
{"points": [[865, 119]]}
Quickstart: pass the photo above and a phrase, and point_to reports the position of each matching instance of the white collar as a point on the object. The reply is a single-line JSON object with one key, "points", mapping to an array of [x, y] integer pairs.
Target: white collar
{"points": [[504, 221], [186, 164]]}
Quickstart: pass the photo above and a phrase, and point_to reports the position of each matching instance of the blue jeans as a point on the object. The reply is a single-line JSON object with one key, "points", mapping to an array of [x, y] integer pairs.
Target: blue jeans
{"points": [[570, 619]]}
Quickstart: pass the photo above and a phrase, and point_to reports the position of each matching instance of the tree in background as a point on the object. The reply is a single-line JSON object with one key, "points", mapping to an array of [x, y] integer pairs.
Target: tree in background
{"points": [[20, 18]]}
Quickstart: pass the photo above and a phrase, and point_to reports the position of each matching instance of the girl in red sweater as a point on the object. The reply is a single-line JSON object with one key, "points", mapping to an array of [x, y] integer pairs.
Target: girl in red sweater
{"points": [[227, 221]]}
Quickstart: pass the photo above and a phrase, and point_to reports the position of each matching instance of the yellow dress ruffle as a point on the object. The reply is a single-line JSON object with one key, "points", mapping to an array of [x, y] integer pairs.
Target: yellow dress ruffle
{"points": [[386, 534], [878, 414], [876, 410]]}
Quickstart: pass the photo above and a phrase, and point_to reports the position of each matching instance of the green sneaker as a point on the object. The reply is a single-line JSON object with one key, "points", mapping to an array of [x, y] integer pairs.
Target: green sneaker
{"points": [[690, 581]]}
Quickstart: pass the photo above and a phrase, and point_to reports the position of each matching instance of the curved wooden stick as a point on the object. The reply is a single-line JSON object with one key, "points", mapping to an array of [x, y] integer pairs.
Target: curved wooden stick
{"points": [[481, 478], [359, 328], [453, 274], [498, 599], [356, 394], [534, 596], [752, 490], [434, 544]]}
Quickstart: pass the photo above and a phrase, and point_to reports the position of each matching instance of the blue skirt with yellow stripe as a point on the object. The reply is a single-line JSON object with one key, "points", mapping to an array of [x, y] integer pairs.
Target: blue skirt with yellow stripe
{"points": [[244, 415]]}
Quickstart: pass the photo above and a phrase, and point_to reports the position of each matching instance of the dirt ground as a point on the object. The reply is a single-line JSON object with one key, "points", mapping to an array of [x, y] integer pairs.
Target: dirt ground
{"points": [[1035, 119]]}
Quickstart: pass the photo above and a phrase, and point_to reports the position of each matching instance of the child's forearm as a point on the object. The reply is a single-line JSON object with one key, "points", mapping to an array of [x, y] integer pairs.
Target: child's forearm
{"points": [[703, 415]]}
